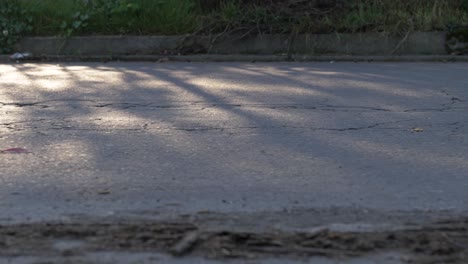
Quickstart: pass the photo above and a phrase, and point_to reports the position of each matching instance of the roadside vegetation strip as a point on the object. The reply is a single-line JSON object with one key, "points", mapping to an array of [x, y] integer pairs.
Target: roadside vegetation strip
{"points": [[441, 242], [214, 17]]}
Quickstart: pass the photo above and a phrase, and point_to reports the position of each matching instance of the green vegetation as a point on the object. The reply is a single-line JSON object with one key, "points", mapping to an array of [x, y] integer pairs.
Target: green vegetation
{"points": [[392, 16], [14, 22], [76, 17], [243, 17]]}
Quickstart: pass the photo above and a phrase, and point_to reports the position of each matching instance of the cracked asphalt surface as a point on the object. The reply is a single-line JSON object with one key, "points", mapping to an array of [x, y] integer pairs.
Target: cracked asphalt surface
{"points": [[253, 147]]}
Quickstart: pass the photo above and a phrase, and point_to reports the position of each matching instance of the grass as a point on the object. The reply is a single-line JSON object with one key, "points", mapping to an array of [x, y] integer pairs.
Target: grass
{"points": [[349, 16], [169, 17], [396, 16], [82, 17]]}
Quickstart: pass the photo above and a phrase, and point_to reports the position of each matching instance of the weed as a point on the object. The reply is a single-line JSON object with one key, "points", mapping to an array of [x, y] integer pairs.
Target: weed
{"points": [[396, 16], [79, 22], [14, 23], [90, 17]]}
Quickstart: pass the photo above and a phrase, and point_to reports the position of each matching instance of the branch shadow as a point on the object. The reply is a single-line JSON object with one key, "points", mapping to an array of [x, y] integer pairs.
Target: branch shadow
{"points": [[271, 132]]}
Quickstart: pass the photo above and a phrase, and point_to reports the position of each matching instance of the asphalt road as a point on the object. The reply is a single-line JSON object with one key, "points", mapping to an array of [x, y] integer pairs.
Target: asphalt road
{"points": [[152, 139]]}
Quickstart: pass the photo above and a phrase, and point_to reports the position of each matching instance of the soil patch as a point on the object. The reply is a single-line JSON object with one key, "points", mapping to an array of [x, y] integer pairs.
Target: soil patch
{"points": [[440, 242]]}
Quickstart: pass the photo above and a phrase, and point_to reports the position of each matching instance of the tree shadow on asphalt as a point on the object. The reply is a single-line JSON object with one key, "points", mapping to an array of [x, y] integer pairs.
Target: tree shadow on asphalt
{"points": [[294, 133]]}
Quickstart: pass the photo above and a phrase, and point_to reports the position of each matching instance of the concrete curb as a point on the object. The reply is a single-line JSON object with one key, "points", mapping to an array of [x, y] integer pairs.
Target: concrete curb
{"points": [[415, 46], [360, 44], [241, 58]]}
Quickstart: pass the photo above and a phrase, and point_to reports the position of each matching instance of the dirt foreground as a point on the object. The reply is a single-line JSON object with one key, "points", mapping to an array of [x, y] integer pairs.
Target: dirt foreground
{"points": [[216, 237]]}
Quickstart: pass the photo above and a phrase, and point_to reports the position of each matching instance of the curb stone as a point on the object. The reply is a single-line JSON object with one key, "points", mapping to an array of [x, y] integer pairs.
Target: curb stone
{"points": [[358, 47], [414, 43], [240, 58]]}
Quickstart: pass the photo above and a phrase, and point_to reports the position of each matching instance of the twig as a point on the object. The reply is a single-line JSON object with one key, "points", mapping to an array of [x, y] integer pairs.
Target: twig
{"points": [[186, 244], [401, 42], [216, 37]]}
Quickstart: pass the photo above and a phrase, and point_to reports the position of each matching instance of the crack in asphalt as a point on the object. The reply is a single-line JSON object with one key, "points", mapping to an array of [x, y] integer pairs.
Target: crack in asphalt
{"points": [[319, 107], [59, 124], [25, 121], [197, 105], [293, 127], [444, 109], [205, 128], [94, 129], [41, 105], [201, 106]]}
